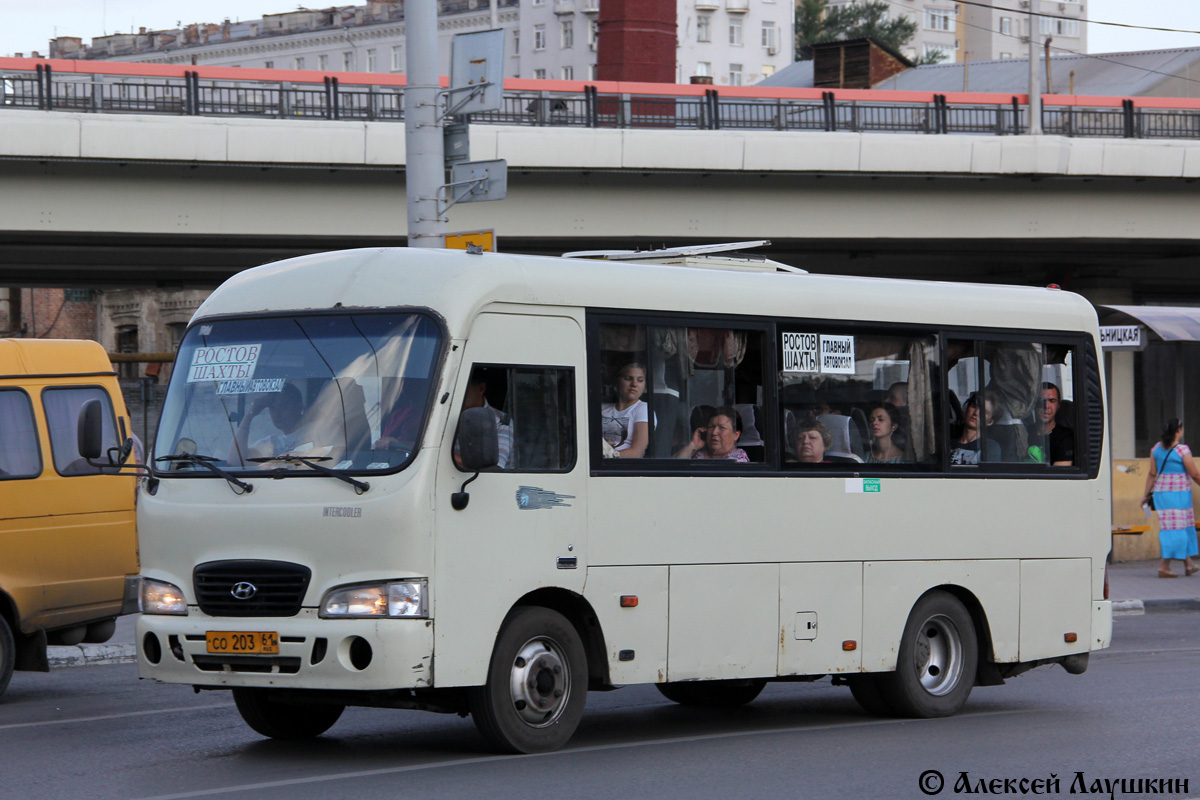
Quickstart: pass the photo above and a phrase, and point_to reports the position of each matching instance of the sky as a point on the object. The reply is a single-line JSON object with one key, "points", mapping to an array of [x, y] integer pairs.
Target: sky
{"points": [[27, 25]]}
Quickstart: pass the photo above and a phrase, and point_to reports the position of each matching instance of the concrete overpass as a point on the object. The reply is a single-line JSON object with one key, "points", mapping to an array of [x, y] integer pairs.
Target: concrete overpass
{"points": [[107, 199]]}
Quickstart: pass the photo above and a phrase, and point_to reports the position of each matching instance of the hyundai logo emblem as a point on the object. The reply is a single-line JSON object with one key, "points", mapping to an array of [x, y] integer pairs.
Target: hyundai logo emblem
{"points": [[244, 590]]}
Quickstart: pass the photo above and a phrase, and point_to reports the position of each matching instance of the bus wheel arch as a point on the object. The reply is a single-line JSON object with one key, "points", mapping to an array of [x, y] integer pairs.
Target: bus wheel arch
{"points": [[581, 614], [937, 659], [986, 673]]}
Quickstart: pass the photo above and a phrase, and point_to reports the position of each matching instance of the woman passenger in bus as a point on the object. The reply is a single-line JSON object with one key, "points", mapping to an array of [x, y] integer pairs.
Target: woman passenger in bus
{"points": [[966, 449], [884, 421], [625, 424], [811, 442], [718, 439]]}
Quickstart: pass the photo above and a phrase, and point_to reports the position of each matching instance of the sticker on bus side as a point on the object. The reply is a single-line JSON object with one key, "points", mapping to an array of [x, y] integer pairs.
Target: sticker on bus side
{"points": [[224, 363], [864, 486]]}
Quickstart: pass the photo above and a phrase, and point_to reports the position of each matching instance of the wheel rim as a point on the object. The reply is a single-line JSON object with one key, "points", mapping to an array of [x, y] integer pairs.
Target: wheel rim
{"points": [[938, 655], [540, 682]]}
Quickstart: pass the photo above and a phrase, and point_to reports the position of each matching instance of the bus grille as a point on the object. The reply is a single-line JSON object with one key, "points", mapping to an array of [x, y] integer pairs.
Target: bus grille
{"points": [[250, 588]]}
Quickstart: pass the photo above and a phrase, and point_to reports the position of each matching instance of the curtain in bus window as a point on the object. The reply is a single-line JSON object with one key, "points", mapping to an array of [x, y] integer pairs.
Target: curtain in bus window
{"points": [[716, 347], [18, 445], [1015, 389], [922, 441]]}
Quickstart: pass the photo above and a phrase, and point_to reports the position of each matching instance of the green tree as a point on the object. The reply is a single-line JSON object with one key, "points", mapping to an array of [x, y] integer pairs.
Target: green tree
{"points": [[816, 22]]}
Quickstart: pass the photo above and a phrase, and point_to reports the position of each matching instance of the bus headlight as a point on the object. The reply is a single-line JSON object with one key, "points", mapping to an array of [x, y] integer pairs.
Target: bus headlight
{"points": [[397, 599], [160, 597]]}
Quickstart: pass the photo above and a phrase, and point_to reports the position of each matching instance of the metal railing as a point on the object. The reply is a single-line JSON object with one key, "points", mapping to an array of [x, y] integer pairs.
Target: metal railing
{"points": [[47, 90]]}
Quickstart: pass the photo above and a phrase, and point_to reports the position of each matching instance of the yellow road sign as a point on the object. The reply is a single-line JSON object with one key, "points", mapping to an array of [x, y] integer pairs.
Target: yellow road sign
{"points": [[459, 241]]}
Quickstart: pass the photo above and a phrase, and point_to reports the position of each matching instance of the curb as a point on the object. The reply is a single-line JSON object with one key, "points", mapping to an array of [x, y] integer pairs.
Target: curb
{"points": [[1128, 608], [86, 655], [1175, 604]]}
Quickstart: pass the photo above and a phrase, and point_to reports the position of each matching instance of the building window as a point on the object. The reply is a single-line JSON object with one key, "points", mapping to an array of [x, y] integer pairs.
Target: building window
{"points": [[1006, 26], [941, 52], [568, 73], [269, 65], [568, 33], [1059, 27], [704, 69], [539, 37], [593, 72], [768, 69], [127, 342], [539, 74], [322, 62], [735, 74], [348, 61], [704, 28], [371, 61], [939, 19], [1006, 55], [516, 43], [77, 295], [539, 2], [298, 63], [397, 58], [593, 33], [768, 35], [735, 31]]}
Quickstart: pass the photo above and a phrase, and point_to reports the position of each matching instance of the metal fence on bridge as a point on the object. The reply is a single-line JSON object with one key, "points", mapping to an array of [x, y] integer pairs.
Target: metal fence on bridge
{"points": [[191, 95]]}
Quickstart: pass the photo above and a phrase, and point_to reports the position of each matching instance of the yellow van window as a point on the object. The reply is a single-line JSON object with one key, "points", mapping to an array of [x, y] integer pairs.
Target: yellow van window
{"points": [[62, 417], [19, 456]]}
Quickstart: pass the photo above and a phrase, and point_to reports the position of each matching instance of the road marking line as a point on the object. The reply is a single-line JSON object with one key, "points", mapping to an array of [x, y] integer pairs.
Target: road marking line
{"points": [[253, 787], [112, 716]]}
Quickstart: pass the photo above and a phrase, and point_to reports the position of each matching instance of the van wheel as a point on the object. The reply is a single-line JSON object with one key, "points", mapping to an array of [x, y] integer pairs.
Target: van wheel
{"points": [[8, 654], [536, 686], [284, 720], [869, 694], [712, 694], [935, 668]]}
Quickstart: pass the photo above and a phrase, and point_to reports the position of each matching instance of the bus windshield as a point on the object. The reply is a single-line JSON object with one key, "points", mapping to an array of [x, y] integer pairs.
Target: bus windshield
{"points": [[348, 391]]}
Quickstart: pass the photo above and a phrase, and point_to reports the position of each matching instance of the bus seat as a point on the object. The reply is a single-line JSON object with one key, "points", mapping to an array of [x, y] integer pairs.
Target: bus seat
{"points": [[839, 429], [666, 437]]}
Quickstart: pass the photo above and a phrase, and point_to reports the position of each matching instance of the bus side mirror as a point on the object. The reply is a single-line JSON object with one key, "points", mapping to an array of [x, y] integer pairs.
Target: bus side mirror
{"points": [[91, 430], [478, 448], [478, 442]]}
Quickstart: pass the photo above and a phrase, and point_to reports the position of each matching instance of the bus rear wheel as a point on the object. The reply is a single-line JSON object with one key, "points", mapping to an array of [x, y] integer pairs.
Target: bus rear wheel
{"points": [[284, 720], [935, 667], [8, 654], [712, 694], [537, 684]]}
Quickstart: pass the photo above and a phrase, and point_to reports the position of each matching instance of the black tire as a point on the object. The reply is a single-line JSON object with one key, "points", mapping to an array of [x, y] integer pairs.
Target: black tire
{"points": [[283, 720], [712, 694], [8, 654], [869, 694], [537, 684], [937, 660]]}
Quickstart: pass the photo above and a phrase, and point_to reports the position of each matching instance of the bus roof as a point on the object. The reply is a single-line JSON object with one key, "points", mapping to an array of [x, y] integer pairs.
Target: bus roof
{"points": [[457, 284], [52, 357]]}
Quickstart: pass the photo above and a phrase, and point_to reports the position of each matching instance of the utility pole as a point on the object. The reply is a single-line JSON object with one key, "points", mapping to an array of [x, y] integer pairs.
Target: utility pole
{"points": [[1035, 90], [425, 158]]}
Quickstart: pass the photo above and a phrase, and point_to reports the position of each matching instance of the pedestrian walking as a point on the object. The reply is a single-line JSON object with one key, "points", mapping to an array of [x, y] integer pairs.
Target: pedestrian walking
{"points": [[1169, 486]]}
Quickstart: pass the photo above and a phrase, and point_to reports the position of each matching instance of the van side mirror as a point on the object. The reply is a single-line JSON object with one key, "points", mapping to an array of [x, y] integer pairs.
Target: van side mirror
{"points": [[478, 442], [91, 430], [478, 448]]}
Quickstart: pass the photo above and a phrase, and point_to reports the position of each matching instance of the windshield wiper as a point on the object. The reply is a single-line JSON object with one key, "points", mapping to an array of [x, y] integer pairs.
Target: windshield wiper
{"points": [[207, 463], [359, 486]]}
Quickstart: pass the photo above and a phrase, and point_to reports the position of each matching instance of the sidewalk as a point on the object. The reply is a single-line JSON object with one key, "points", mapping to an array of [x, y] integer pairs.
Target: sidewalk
{"points": [[1134, 587]]}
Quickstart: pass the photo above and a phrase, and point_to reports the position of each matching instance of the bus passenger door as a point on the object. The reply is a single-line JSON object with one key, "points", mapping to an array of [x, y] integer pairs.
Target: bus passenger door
{"points": [[524, 526]]}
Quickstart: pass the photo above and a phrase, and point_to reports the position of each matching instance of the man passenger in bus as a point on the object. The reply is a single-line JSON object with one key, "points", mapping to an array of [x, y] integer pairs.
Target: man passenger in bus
{"points": [[477, 398], [898, 395], [718, 439], [625, 424], [1058, 439], [286, 410], [812, 440], [966, 449]]}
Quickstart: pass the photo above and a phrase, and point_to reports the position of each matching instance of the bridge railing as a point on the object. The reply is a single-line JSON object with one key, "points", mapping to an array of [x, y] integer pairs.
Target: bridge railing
{"points": [[289, 94]]}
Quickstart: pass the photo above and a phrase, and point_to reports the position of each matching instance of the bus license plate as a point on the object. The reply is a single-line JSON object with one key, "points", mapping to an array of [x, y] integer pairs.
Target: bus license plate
{"points": [[254, 643]]}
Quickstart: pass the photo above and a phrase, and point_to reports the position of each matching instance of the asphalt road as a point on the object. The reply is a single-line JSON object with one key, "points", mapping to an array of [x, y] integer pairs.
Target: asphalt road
{"points": [[98, 732]]}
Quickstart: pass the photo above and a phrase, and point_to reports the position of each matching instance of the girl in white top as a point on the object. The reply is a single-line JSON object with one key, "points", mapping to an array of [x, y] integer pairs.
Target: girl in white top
{"points": [[625, 424]]}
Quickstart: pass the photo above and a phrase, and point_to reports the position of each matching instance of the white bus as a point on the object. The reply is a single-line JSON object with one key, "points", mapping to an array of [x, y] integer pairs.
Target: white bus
{"points": [[325, 526]]}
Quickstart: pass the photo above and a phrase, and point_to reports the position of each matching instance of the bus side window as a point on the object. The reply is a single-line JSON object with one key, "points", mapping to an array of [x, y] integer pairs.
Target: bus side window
{"points": [[19, 454]]}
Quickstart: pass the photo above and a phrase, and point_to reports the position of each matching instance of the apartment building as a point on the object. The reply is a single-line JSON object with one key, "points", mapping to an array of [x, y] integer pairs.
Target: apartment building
{"points": [[733, 42], [988, 30]]}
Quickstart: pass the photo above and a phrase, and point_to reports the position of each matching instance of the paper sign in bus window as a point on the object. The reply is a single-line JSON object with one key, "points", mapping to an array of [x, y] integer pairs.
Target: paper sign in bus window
{"points": [[837, 355], [230, 362], [255, 386], [799, 352]]}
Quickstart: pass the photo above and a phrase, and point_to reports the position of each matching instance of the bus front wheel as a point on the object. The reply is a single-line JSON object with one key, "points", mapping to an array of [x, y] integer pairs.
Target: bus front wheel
{"points": [[537, 684], [935, 667], [8, 654], [283, 720], [712, 694]]}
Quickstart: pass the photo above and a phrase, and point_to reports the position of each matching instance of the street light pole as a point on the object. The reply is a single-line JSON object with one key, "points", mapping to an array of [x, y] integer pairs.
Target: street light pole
{"points": [[424, 160], [1035, 89]]}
